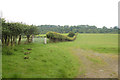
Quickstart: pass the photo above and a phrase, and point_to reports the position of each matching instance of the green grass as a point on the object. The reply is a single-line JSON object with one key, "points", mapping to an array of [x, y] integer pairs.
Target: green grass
{"points": [[102, 43], [55, 60], [45, 61]]}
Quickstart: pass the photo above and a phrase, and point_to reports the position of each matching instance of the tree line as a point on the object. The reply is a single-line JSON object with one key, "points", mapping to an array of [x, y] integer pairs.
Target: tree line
{"points": [[11, 31], [78, 28]]}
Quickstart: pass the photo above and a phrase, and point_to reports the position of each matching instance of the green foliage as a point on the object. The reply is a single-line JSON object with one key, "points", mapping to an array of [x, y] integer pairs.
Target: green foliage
{"points": [[7, 51], [10, 32], [71, 34], [43, 29], [30, 29], [53, 36]]}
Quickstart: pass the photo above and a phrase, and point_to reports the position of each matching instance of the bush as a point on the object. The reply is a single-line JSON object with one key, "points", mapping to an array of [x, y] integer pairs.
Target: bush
{"points": [[71, 34], [53, 36]]}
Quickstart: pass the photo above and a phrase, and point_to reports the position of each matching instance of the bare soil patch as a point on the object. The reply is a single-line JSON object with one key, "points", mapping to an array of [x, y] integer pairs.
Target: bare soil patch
{"points": [[97, 65]]}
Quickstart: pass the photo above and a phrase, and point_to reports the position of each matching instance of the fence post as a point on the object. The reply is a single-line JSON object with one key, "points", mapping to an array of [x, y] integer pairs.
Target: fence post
{"points": [[45, 40]]}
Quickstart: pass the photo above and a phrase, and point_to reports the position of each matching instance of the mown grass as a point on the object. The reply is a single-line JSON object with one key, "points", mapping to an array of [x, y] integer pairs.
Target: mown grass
{"points": [[54, 60], [102, 43]]}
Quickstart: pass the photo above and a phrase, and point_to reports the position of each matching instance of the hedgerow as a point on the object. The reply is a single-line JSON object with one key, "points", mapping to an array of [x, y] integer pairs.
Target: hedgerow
{"points": [[71, 34], [54, 36]]}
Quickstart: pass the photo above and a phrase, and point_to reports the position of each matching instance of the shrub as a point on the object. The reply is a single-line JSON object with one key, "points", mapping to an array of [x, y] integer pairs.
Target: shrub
{"points": [[53, 36], [71, 34]]}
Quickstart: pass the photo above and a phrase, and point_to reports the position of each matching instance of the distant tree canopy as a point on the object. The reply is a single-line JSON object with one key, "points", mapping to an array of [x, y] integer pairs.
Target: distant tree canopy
{"points": [[79, 28]]}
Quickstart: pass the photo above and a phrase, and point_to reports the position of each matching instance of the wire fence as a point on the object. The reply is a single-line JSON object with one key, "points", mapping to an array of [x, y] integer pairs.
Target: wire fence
{"points": [[40, 40]]}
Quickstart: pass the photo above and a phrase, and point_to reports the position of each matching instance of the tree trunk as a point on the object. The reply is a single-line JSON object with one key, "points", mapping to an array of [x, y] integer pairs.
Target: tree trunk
{"points": [[5, 37], [19, 39], [8, 40], [28, 37], [3, 42], [31, 38], [11, 40], [15, 40]]}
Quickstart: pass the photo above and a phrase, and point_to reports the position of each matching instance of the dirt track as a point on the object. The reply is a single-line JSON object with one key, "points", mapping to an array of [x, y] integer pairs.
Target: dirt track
{"points": [[97, 65]]}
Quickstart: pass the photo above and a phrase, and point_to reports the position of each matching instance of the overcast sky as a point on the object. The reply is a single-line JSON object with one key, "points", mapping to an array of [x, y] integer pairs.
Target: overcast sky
{"points": [[61, 12]]}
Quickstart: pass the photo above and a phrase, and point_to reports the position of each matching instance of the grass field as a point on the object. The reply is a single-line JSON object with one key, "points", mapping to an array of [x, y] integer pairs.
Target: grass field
{"points": [[55, 60], [103, 43]]}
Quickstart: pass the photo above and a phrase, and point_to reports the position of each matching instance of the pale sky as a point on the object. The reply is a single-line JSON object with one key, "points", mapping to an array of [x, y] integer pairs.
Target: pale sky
{"points": [[61, 12]]}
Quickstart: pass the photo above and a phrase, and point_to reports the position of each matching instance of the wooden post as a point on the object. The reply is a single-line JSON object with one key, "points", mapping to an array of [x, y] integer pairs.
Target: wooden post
{"points": [[45, 40]]}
